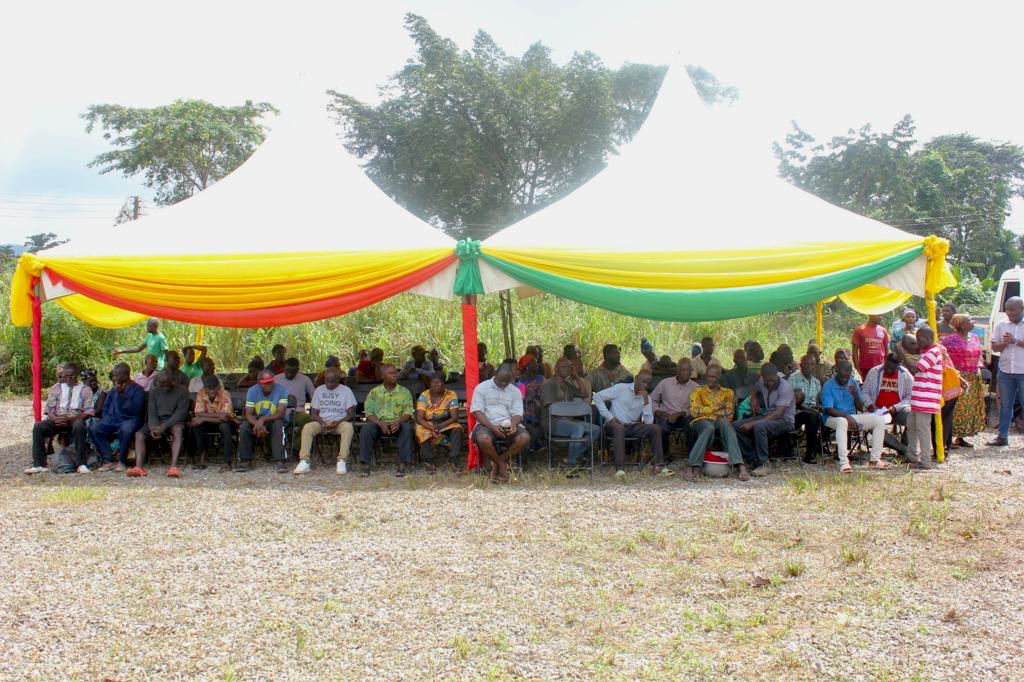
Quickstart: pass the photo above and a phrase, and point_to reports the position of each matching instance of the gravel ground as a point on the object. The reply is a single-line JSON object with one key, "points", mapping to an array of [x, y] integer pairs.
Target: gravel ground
{"points": [[803, 575]]}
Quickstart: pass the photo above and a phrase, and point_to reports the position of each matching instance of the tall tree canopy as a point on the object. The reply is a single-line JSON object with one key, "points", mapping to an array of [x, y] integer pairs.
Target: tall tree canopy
{"points": [[474, 140], [956, 186], [181, 148]]}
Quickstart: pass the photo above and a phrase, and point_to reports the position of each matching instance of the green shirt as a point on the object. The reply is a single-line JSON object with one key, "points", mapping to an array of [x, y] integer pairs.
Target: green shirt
{"points": [[192, 370], [388, 406], [156, 344]]}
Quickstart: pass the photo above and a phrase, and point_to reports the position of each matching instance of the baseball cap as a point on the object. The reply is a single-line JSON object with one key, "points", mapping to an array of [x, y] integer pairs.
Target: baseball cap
{"points": [[265, 377]]}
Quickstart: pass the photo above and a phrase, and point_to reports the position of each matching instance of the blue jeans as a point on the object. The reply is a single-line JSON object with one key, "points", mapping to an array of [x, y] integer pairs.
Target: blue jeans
{"points": [[572, 428], [1010, 386], [103, 433]]}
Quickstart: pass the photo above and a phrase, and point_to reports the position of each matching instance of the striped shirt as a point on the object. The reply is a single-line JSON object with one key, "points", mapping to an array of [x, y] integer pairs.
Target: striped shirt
{"points": [[927, 390]]}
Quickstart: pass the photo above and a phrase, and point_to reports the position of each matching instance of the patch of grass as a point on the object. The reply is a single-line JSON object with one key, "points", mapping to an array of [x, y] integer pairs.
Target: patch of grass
{"points": [[461, 646], [228, 674], [300, 641], [652, 538], [734, 523], [333, 606], [928, 519], [803, 485], [794, 569], [851, 555], [73, 496]]}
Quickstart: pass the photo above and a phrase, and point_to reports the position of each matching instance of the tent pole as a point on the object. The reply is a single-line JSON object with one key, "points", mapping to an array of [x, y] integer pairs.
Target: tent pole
{"points": [[819, 324], [37, 352], [199, 334], [940, 448], [469, 341]]}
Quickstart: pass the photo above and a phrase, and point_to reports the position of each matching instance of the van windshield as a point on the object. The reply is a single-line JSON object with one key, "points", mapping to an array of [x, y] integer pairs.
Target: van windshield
{"points": [[1012, 288]]}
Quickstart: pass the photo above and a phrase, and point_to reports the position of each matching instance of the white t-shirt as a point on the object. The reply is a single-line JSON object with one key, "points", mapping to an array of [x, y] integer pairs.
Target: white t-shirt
{"points": [[333, 405]]}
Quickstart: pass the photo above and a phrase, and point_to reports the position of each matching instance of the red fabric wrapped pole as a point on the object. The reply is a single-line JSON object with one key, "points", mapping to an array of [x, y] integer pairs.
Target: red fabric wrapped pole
{"points": [[37, 352], [472, 370]]}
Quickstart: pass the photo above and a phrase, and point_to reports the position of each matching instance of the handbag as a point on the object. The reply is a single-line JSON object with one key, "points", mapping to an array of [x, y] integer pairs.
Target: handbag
{"points": [[951, 387]]}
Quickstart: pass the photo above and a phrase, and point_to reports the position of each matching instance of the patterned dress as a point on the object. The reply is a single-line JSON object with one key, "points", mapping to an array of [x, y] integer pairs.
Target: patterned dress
{"points": [[969, 415]]}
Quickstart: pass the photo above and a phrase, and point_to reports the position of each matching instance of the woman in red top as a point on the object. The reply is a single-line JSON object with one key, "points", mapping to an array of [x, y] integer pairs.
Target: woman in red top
{"points": [[964, 351]]}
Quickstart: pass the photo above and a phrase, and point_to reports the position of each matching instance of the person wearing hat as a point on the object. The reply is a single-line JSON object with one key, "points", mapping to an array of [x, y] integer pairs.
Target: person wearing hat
{"points": [[418, 367], [332, 361], [265, 407]]}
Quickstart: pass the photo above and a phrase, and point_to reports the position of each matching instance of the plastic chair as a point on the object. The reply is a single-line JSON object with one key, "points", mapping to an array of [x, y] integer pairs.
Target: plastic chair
{"points": [[573, 409]]}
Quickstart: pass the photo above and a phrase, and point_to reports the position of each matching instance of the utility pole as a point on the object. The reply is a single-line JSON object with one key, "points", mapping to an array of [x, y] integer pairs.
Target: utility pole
{"points": [[136, 202], [131, 210]]}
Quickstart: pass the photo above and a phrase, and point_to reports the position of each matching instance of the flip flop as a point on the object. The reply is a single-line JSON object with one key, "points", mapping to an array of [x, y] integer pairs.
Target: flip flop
{"points": [[846, 469], [880, 464], [173, 472]]}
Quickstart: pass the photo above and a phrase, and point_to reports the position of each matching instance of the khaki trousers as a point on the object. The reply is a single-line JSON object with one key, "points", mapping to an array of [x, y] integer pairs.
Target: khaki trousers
{"points": [[313, 428]]}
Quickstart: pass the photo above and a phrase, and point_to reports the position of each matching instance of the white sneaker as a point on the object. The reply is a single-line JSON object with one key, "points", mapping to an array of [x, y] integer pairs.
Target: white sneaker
{"points": [[34, 470], [620, 474], [302, 467], [82, 469], [342, 467]]}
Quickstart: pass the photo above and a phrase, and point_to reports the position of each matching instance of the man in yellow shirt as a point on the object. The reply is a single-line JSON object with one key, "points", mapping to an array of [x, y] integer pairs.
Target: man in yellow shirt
{"points": [[711, 412]]}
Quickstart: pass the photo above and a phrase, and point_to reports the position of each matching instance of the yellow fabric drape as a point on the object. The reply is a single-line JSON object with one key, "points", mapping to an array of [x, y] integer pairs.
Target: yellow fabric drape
{"points": [[199, 334], [937, 278], [871, 299], [696, 269], [98, 314]]}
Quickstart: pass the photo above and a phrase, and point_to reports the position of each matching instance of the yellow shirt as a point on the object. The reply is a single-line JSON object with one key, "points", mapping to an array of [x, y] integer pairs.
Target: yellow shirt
{"points": [[707, 404]]}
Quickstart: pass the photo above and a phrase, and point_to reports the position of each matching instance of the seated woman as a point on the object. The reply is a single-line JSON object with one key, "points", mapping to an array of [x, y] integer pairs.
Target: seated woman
{"points": [[255, 367], [437, 423], [368, 371]]}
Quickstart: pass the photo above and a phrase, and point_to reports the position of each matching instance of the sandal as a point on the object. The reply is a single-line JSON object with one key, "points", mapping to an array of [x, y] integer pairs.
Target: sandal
{"points": [[173, 472], [846, 469], [880, 464], [135, 472]]}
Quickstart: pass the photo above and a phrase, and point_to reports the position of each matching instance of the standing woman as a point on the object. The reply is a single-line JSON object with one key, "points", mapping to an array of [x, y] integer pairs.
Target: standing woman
{"points": [[965, 352]]}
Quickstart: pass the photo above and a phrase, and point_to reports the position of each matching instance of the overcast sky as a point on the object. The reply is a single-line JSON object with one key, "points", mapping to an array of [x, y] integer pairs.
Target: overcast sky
{"points": [[954, 68]]}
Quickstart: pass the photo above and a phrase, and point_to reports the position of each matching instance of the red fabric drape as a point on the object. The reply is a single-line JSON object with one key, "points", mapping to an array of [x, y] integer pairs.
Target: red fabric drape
{"points": [[37, 352], [472, 370], [294, 313]]}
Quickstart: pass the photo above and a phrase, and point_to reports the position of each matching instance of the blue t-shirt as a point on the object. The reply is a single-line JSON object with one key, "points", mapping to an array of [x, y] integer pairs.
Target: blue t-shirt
{"points": [[266, 405], [838, 397]]}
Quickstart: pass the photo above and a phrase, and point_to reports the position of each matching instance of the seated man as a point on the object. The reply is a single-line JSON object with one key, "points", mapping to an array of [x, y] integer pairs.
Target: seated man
{"points": [[214, 414], [121, 418], [567, 386], [300, 387], [368, 369], [610, 371], [252, 375], [740, 379], [173, 363], [486, 368], [705, 359], [147, 375], [437, 422], [671, 399], [207, 368], [842, 409], [388, 409], [822, 368], [278, 362], [435, 359], [68, 406], [711, 411], [334, 406], [167, 410], [631, 414], [265, 405], [755, 355], [497, 407], [773, 409], [889, 386], [192, 367], [332, 362], [418, 367], [806, 388]]}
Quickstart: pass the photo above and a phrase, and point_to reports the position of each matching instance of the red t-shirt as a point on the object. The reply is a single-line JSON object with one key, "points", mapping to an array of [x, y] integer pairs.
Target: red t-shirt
{"points": [[873, 343], [888, 390]]}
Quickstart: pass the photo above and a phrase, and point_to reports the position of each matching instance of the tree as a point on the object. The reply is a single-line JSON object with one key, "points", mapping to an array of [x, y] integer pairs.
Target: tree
{"points": [[181, 148], [955, 186], [474, 140], [43, 240]]}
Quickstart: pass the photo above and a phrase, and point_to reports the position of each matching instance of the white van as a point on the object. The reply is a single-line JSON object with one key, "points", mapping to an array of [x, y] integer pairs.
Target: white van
{"points": [[1009, 286]]}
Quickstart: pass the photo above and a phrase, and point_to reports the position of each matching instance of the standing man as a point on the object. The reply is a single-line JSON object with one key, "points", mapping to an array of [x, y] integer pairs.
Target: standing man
{"points": [[154, 344], [389, 412], [167, 409], [567, 386], [68, 405], [631, 414], [842, 403], [925, 398], [705, 359], [498, 408], [806, 388], [121, 418], [265, 405], [773, 407], [870, 344], [334, 406], [610, 371], [1008, 341], [671, 399]]}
